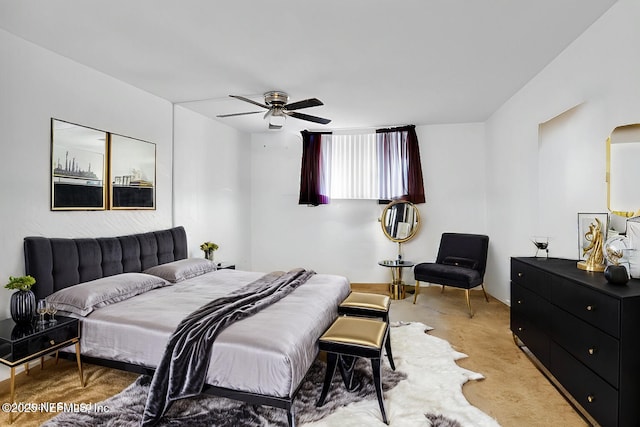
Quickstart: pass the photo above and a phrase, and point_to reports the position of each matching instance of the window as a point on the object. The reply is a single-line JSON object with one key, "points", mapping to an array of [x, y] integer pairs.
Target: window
{"points": [[381, 165]]}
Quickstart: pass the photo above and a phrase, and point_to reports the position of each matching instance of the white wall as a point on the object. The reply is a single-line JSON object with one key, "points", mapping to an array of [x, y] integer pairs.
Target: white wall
{"points": [[212, 186], [36, 85], [345, 236], [599, 72]]}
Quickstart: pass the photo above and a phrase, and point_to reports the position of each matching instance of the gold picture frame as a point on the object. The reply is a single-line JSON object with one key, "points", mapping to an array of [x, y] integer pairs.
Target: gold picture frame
{"points": [[78, 167], [132, 173]]}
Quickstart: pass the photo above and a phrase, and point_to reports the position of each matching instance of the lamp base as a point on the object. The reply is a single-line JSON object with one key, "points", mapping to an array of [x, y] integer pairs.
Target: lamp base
{"points": [[587, 266]]}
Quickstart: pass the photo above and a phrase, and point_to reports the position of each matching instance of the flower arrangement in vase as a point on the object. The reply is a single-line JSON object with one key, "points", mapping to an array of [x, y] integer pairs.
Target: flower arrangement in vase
{"points": [[23, 302], [208, 248]]}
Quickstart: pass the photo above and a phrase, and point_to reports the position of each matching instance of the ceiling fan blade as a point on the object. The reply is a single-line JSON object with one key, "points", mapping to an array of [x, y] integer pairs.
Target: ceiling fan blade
{"points": [[238, 114], [251, 101], [305, 103], [308, 118]]}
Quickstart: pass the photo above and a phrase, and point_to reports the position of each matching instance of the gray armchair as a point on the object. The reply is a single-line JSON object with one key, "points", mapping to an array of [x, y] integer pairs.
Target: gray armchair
{"points": [[461, 263]]}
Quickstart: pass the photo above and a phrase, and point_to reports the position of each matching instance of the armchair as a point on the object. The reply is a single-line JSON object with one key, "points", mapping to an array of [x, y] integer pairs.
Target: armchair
{"points": [[461, 263]]}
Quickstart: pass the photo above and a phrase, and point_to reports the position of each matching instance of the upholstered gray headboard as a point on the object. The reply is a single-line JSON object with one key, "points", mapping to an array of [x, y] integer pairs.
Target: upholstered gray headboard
{"points": [[57, 263]]}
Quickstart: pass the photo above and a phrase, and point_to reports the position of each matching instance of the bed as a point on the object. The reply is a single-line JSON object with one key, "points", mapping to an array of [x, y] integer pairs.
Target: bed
{"points": [[261, 360]]}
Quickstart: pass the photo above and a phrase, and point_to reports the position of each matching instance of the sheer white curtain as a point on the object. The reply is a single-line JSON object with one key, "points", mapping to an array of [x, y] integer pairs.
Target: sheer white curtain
{"points": [[354, 167], [393, 165]]}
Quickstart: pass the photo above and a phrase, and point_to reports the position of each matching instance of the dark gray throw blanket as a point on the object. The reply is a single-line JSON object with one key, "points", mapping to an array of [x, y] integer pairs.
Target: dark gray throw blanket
{"points": [[184, 365]]}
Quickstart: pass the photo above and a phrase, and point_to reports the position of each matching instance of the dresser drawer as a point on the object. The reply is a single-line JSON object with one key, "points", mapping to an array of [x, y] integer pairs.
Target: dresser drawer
{"points": [[532, 278], [593, 393], [529, 320], [45, 340], [600, 352], [596, 308]]}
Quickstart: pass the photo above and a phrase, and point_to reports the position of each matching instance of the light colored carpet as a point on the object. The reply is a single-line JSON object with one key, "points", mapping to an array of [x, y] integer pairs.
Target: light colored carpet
{"points": [[431, 386]]}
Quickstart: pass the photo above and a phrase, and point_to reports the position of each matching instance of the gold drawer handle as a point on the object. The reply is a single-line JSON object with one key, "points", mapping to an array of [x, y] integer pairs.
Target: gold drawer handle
{"points": [[592, 351], [591, 307], [520, 274], [519, 301], [519, 329], [52, 342], [591, 398]]}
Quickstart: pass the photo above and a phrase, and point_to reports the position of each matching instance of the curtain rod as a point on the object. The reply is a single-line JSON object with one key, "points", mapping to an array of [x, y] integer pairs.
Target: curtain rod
{"points": [[353, 129]]}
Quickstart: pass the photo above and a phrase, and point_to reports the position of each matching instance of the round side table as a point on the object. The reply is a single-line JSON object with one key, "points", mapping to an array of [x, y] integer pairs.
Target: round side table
{"points": [[396, 287]]}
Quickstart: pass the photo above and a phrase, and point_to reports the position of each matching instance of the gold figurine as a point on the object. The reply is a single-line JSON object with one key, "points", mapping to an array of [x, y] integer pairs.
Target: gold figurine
{"points": [[595, 259]]}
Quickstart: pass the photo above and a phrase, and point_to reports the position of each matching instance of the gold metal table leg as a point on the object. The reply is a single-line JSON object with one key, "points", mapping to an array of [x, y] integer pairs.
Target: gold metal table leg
{"points": [[79, 363], [397, 286], [13, 392]]}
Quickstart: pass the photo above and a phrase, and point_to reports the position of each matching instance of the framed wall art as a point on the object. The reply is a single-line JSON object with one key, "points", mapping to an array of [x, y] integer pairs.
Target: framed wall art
{"points": [[78, 167], [132, 172]]}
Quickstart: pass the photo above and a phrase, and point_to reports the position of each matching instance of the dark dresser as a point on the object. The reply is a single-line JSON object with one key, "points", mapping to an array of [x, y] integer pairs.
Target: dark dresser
{"points": [[584, 331]]}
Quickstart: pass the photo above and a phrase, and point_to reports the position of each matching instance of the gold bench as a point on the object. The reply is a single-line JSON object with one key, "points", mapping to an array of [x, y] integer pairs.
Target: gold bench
{"points": [[363, 304], [366, 305], [355, 337]]}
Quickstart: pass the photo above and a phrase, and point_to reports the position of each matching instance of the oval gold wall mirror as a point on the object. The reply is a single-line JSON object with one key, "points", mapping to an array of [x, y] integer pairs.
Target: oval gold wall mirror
{"points": [[400, 221], [623, 173]]}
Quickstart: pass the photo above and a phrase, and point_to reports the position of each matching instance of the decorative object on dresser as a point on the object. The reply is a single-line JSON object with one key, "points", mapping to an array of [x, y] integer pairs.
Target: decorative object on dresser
{"points": [[592, 229], [614, 251], [582, 333], [23, 302], [461, 263], [542, 244]]}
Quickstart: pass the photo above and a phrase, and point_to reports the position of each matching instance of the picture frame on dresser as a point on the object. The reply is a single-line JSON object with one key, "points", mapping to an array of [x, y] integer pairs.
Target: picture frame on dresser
{"points": [[78, 167], [585, 220], [132, 173]]}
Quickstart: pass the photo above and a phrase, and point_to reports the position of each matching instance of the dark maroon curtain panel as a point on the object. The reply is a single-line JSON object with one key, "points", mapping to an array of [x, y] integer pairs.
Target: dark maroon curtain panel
{"points": [[311, 172], [415, 182]]}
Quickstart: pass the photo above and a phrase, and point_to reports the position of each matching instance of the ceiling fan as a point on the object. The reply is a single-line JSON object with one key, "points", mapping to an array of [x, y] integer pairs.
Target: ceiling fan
{"points": [[277, 109]]}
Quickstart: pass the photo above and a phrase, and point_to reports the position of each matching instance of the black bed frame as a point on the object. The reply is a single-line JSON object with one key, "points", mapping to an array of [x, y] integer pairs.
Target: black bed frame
{"points": [[57, 263]]}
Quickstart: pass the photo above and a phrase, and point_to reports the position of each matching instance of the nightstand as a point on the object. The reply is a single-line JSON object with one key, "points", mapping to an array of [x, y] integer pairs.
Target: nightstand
{"points": [[223, 265], [23, 343]]}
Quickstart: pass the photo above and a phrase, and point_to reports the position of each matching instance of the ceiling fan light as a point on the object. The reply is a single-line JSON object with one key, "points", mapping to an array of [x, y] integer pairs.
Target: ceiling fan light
{"points": [[276, 120]]}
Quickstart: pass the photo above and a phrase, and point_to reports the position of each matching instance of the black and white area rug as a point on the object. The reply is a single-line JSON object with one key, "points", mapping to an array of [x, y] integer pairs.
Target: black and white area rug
{"points": [[425, 390]]}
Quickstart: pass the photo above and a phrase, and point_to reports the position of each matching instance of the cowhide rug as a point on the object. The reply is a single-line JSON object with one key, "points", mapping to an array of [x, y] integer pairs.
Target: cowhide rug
{"points": [[425, 390]]}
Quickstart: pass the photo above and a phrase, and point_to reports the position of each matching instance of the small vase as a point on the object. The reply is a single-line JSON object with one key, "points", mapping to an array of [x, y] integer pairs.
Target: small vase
{"points": [[23, 306], [209, 255], [616, 274]]}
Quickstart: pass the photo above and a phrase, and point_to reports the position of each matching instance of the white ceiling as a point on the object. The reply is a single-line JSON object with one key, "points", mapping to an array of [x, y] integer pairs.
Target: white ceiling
{"points": [[372, 62]]}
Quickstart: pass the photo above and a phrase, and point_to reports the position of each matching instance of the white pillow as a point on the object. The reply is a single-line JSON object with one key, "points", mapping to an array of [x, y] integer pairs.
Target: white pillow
{"points": [[183, 269], [83, 298]]}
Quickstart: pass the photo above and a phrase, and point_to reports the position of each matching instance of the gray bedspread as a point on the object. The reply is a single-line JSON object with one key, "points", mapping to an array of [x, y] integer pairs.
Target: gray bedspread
{"points": [[267, 353], [182, 370]]}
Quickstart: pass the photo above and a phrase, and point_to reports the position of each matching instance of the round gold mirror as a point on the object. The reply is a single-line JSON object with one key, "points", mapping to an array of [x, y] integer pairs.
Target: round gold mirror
{"points": [[400, 221]]}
